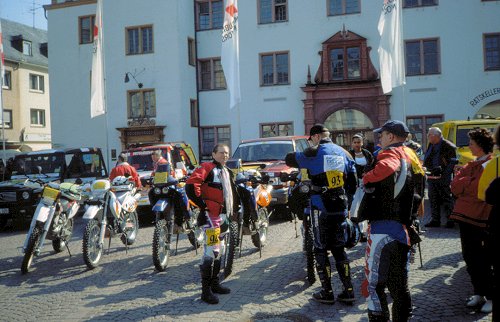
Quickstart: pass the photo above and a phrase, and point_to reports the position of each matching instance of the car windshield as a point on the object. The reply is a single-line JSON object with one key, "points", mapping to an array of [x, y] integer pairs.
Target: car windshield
{"points": [[263, 151], [463, 134], [29, 164], [141, 160]]}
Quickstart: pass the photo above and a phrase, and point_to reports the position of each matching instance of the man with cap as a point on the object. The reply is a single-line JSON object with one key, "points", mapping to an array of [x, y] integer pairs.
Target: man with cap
{"points": [[332, 172], [392, 189]]}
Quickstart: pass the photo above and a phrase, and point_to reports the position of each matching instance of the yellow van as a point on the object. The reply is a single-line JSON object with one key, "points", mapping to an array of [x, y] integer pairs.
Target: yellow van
{"points": [[457, 131]]}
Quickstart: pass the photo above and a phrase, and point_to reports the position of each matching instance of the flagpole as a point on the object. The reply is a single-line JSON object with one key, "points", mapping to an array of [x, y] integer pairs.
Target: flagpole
{"points": [[2, 74]]}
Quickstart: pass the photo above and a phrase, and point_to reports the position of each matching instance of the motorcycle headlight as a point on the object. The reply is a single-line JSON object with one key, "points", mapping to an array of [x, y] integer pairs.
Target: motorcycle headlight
{"points": [[157, 191], [25, 195], [304, 189], [164, 190]]}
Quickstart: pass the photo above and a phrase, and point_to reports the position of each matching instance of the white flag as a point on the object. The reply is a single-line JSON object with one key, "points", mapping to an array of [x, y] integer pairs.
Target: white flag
{"points": [[230, 56], [390, 50], [97, 83], [2, 62]]}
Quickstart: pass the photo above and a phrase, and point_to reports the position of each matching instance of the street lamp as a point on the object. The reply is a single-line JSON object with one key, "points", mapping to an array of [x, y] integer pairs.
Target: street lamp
{"points": [[127, 79]]}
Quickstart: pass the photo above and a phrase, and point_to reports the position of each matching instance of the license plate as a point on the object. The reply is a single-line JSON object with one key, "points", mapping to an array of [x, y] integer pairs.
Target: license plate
{"points": [[4, 210], [274, 199]]}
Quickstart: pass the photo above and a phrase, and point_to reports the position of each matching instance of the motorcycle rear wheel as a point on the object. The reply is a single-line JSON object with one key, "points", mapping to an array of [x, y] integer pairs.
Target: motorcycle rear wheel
{"points": [[33, 242], [59, 243], [259, 238], [232, 243], [92, 249], [195, 236], [131, 228], [161, 245]]}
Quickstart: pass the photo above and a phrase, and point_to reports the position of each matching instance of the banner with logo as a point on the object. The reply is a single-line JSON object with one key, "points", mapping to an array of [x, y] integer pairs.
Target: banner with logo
{"points": [[97, 82], [230, 56]]}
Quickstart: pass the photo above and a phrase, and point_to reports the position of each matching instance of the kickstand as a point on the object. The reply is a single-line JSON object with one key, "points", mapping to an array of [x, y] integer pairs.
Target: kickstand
{"points": [[109, 242], [420, 254], [67, 247], [241, 238], [176, 243]]}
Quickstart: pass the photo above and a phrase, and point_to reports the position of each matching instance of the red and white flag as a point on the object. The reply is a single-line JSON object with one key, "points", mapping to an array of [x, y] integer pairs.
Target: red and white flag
{"points": [[97, 82], [390, 50], [230, 56]]}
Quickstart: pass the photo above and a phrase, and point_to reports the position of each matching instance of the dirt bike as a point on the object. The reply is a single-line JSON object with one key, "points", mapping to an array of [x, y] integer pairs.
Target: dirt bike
{"points": [[174, 214], [53, 219], [111, 211], [299, 202]]}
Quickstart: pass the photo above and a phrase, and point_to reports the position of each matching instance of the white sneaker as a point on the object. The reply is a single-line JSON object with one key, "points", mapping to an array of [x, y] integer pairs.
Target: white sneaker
{"points": [[487, 307], [475, 301]]}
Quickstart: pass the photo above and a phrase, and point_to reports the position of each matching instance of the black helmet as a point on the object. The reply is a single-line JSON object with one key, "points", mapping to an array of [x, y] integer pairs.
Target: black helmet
{"points": [[352, 233]]}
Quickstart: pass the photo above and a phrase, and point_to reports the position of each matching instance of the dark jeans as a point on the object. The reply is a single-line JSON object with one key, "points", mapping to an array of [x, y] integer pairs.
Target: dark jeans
{"points": [[440, 196], [478, 258]]}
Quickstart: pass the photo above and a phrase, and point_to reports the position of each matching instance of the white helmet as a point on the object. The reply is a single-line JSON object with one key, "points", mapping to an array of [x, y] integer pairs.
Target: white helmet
{"points": [[120, 181]]}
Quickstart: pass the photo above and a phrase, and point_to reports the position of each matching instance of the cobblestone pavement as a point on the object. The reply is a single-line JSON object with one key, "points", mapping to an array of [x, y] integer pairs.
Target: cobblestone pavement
{"points": [[273, 288]]}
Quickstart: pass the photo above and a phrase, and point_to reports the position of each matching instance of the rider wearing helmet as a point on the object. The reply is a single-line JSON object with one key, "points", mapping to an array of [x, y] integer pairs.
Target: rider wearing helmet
{"points": [[211, 187], [123, 168], [332, 172]]}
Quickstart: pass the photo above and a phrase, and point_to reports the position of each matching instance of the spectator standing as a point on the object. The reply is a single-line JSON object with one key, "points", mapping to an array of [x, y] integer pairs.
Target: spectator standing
{"points": [[440, 159], [472, 215], [122, 168]]}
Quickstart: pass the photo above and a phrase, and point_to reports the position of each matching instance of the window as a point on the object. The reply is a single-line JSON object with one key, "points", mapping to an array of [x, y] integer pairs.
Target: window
{"points": [[191, 52], [211, 74], [345, 63], [418, 126], [492, 51], [7, 80], [141, 104], [37, 117], [274, 69], [36, 83], [273, 11], [139, 40], [210, 14], [194, 113], [343, 7], [422, 57], [86, 27], [210, 136], [7, 119], [27, 48], [419, 3], [276, 129]]}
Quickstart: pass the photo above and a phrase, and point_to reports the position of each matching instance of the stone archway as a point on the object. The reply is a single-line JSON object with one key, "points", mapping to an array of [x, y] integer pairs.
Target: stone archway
{"points": [[344, 123], [338, 87]]}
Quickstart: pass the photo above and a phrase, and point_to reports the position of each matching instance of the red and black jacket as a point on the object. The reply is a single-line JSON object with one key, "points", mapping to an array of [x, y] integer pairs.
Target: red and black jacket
{"points": [[205, 189]]}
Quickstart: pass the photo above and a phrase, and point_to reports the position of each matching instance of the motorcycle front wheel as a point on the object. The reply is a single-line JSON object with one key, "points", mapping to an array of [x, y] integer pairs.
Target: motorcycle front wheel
{"points": [[131, 228], [59, 243], [92, 247], [232, 242], [260, 236], [161, 245], [309, 253], [33, 242]]}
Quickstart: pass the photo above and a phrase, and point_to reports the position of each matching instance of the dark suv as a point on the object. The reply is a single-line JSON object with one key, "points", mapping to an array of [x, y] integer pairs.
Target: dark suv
{"points": [[18, 200], [268, 154]]}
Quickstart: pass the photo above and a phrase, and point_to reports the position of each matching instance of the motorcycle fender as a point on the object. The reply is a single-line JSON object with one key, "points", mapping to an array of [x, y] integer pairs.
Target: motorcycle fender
{"points": [[91, 212], [129, 204], [42, 212], [73, 210], [160, 205]]}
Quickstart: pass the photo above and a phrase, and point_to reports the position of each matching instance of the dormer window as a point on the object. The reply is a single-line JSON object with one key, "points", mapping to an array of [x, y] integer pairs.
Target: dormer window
{"points": [[27, 48]]}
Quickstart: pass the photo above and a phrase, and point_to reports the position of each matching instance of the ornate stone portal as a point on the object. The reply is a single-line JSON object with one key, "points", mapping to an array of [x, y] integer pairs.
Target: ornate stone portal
{"points": [[346, 94], [141, 132]]}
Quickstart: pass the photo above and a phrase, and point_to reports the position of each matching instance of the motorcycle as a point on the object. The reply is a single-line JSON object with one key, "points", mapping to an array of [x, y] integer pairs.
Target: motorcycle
{"points": [[299, 202], [111, 211], [255, 196], [174, 214], [53, 218]]}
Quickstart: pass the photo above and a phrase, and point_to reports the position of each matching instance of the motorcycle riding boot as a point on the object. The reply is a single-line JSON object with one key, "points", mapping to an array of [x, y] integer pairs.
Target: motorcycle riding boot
{"points": [[206, 282], [347, 296], [325, 276], [216, 286]]}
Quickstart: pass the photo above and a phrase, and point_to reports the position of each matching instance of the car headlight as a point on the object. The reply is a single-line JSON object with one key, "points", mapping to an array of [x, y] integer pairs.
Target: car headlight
{"points": [[164, 190], [25, 195], [304, 189], [157, 191]]}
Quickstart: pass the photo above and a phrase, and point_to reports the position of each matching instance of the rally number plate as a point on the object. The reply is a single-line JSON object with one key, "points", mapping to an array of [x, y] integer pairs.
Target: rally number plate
{"points": [[212, 236], [335, 179]]}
